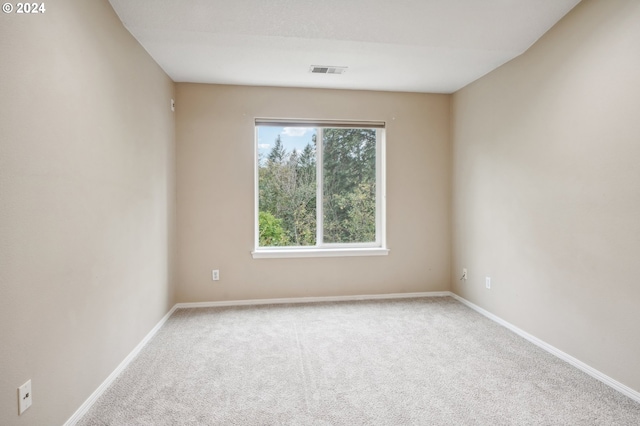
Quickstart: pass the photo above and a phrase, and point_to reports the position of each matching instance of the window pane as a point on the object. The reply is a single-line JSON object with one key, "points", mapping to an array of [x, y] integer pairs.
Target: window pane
{"points": [[287, 186], [349, 185]]}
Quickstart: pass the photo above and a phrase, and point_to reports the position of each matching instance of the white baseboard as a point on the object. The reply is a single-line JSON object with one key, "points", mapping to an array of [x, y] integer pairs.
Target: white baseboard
{"points": [[312, 299], [109, 380], [623, 389]]}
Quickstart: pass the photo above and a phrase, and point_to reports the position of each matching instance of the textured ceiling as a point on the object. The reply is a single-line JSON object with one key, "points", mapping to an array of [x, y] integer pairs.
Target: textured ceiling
{"points": [[434, 46]]}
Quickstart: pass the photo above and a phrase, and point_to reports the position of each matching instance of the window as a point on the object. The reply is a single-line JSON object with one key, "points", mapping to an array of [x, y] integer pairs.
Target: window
{"points": [[319, 188]]}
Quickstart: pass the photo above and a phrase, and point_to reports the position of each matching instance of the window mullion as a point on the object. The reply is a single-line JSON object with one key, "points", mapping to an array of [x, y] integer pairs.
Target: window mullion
{"points": [[319, 184], [256, 191], [380, 187]]}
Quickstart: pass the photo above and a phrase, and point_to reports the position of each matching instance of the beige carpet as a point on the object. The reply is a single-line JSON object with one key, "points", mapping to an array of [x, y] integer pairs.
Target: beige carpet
{"points": [[424, 361]]}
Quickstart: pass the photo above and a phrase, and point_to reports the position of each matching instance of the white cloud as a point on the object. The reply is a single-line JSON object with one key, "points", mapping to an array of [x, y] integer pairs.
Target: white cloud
{"points": [[295, 131], [264, 145]]}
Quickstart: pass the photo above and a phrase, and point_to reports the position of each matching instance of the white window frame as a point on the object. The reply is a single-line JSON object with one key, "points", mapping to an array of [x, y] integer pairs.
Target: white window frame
{"points": [[375, 248]]}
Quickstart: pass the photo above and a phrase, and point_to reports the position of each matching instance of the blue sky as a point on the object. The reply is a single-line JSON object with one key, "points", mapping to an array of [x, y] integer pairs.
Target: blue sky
{"points": [[292, 137]]}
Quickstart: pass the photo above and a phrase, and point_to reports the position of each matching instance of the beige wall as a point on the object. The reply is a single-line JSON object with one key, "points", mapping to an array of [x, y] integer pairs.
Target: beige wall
{"points": [[215, 187], [86, 189], [547, 188]]}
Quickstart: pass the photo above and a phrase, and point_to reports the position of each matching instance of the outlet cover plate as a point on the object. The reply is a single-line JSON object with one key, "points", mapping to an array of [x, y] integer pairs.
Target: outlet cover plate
{"points": [[24, 397]]}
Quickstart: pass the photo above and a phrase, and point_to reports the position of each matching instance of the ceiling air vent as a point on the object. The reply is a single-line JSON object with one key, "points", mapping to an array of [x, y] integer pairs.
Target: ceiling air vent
{"points": [[324, 69]]}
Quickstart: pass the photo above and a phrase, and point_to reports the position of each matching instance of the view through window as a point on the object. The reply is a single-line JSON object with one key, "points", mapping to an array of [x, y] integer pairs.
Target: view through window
{"points": [[319, 185]]}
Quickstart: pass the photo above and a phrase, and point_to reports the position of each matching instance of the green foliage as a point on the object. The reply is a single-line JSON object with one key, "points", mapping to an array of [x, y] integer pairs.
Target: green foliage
{"points": [[278, 153], [353, 216], [287, 190], [349, 195], [271, 231]]}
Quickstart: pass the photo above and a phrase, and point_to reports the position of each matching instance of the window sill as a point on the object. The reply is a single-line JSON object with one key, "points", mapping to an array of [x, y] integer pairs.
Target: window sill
{"points": [[333, 252]]}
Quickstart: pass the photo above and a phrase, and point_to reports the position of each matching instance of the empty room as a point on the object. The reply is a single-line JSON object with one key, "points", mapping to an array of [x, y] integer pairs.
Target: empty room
{"points": [[421, 212]]}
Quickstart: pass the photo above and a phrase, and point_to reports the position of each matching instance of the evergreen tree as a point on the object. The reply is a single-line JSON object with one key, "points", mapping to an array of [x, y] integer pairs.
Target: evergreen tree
{"points": [[278, 153], [349, 172]]}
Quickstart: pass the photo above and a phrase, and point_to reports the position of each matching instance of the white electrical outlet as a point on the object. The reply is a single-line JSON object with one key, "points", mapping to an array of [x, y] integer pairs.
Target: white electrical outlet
{"points": [[464, 274], [215, 274], [487, 282], [24, 397]]}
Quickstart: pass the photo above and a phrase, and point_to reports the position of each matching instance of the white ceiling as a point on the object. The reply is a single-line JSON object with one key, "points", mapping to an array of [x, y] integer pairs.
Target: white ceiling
{"points": [[436, 46]]}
